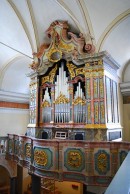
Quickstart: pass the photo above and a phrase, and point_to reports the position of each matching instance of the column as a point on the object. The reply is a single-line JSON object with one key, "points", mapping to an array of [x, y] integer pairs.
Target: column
{"points": [[36, 184], [13, 185]]}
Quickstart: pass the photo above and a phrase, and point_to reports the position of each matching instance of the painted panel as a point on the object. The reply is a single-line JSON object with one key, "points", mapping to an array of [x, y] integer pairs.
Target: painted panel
{"points": [[102, 112], [88, 91], [102, 162], [96, 112], [88, 112], [96, 87], [43, 158], [108, 100], [115, 103], [101, 87], [74, 159]]}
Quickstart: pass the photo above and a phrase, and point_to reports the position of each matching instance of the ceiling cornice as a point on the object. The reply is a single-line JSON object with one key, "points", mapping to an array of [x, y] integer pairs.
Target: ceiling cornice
{"points": [[13, 97]]}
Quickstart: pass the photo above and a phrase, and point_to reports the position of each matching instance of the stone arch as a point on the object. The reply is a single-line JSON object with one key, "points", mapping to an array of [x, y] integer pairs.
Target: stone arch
{"points": [[9, 165]]}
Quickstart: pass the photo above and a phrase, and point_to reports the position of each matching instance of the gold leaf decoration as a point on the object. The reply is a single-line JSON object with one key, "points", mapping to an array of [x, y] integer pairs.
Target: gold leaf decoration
{"points": [[74, 159], [79, 100], [61, 99], [45, 104], [40, 157], [71, 68], [52, 74], [45, 79], [64, 46], [80, 71]]}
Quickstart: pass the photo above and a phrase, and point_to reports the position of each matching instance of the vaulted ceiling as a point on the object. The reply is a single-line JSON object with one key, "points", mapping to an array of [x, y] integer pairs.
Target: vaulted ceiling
{"points": [[22, 30]]}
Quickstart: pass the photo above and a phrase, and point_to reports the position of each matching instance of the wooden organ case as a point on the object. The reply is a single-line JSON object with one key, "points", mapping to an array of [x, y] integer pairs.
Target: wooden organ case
{"points": [[73, 90]]}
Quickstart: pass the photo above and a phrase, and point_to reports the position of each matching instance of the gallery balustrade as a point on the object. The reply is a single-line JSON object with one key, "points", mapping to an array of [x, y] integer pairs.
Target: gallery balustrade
{"points": [[3, 144], [92, 163]]}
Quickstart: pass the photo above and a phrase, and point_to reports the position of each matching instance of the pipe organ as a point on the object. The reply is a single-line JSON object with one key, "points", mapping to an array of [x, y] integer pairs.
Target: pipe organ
{"points": [[73, 90]]}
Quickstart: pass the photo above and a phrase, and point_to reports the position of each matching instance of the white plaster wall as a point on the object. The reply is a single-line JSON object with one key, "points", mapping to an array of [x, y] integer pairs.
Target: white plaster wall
{"points": [[126, 122], [13, 121]]}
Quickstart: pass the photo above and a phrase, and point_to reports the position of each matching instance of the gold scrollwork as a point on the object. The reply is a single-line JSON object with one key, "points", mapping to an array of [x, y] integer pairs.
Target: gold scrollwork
{"points": [[54, 55], [45, 79], [87, 64], [101, 72], [45, 104], [74, 159], [89, 111], [100, 62], [40, 157], [52, 74], [28, 151], [79, 100], [61, 99], [80, 71], [64, 46], [102, 162], [71, 68]]}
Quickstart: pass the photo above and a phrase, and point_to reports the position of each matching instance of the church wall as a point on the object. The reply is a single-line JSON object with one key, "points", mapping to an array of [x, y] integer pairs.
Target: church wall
{"points": [[126, 122], [13, 121]]}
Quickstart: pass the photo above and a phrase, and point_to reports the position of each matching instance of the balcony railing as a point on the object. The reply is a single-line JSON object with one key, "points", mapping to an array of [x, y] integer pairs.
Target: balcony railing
{"points": [[92, 163], [3, 144]]}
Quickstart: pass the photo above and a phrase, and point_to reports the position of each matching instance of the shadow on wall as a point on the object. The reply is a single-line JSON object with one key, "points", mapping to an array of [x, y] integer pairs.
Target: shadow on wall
{"points": [[4, 181]]}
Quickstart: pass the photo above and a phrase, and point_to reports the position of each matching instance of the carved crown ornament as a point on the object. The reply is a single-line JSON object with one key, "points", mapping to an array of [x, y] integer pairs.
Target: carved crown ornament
{"points": [[63, 44]]}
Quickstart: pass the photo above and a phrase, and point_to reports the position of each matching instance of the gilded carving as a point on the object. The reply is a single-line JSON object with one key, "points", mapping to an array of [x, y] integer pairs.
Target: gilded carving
{"points": [[101, 72], [87, 64], [88, 73], [61, 99], [88, 88], [52, 74], [45, 79], [40, 157], [64, 46], [79, 100], [80, 71], [54, 54], [96, 111], [96, 126], [74, 159], [45, 104], [101, 88], [100, 62], [50, 77], [71, 68], [89, 111], [102, 111], [95, 85], [28, 151]]}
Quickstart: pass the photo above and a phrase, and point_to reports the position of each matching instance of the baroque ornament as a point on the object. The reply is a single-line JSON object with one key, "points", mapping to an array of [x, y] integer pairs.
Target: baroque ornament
{"points": [[61, 99], [74, 159], [40, 157]]}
